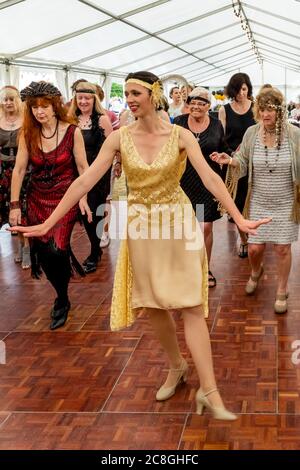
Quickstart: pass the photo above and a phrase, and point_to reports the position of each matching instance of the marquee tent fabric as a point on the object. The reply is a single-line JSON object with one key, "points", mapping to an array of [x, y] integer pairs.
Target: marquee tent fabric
{"points": [[205, 41]]}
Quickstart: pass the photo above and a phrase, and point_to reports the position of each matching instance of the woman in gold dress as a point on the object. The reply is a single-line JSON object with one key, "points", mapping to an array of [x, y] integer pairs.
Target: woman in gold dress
{"points": [[162, 262]]}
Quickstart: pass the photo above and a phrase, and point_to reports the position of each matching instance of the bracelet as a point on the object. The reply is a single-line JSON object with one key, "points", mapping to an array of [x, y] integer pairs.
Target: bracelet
{"points": [[230, 161], [14, 205]]}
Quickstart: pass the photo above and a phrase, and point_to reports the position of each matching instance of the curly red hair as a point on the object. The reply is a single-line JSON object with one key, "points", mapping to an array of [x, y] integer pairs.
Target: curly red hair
{"points": [[31, 127]]}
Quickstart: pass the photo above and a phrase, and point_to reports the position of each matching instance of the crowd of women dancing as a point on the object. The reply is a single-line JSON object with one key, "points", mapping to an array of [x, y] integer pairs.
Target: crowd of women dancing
{"points": [[45, 145]]}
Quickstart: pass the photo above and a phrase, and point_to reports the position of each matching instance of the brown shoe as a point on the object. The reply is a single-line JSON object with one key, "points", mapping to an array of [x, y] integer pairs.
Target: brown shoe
{"points": [[253, 281], [280, 305]]}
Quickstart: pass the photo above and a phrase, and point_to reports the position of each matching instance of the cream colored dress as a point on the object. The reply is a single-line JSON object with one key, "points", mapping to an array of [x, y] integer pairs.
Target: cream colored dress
{"points": [[162, 263]]}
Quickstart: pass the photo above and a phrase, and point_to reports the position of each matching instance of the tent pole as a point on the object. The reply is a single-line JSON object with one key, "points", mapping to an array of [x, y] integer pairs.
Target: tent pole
{"points": [[67, 84]]}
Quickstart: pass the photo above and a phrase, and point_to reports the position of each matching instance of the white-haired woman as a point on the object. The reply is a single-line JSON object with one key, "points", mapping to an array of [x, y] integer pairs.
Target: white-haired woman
{"points": [[11, 119], [210, 135]]}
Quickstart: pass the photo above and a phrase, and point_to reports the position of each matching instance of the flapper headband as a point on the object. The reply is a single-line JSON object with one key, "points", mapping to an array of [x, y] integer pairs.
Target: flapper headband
{"points": [[82, 90], [156, 89], [38, 89]]}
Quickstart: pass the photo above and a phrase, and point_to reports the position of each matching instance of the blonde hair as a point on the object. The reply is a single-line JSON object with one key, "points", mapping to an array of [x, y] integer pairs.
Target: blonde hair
{"points": [[85, 87], [11, 92]]}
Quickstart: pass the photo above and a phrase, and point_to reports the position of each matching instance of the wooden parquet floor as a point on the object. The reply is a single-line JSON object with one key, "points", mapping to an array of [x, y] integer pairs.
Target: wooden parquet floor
{"points": [[84, 387]]}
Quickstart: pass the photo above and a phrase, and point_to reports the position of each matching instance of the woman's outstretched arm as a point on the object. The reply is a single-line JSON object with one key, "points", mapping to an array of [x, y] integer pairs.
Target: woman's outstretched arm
{"points": [[81, 186], [214, 183]]}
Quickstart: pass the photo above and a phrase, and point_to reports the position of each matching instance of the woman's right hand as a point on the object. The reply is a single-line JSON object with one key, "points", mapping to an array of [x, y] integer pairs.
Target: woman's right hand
{"points": [[221, 158], [15, 216], [33, 231]]}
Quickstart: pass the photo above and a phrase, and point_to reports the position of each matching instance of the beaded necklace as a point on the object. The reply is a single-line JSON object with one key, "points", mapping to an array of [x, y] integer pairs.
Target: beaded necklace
{"points": [[270, 168]]}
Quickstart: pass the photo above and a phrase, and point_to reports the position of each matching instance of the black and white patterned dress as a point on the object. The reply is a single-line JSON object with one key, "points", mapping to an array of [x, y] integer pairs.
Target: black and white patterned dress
{"points": [[272, 195]]}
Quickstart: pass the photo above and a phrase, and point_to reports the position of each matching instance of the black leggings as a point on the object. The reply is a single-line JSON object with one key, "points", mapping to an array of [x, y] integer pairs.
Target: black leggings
{"points": [[57, 266], [93, 229]]}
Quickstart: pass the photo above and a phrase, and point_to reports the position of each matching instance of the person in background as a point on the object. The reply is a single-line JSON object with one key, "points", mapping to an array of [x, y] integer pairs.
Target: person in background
{"points": [[210, 136], [86, 110], [270, 153], [185, 90], [175, 108], [11, 120], [236, 116]]}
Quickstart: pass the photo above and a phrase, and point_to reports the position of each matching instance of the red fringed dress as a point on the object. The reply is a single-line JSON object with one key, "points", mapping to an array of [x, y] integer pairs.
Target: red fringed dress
{"points": [[51, 175]]}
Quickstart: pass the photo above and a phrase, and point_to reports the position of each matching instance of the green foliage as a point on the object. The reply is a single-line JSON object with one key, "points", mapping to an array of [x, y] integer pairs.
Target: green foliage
{"points": [[116, 90]]}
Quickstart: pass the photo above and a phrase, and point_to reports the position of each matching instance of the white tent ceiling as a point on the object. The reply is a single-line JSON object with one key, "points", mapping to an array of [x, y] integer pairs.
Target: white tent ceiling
{"points": [[202, 40]]}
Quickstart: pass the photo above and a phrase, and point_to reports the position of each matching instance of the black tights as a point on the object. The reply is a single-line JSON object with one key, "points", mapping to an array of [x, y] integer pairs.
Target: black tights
{"points": [[57, 267], [95, 199]]}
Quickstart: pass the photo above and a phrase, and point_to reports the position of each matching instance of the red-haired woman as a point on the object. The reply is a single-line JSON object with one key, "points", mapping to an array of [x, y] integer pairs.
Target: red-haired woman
{"points": [[54, 147]]}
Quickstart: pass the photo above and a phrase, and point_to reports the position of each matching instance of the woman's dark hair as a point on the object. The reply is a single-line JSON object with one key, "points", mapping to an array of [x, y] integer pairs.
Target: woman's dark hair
{"points": [[235, 84], [144, 76], [147, 77], [172, 89], [164, 104]]}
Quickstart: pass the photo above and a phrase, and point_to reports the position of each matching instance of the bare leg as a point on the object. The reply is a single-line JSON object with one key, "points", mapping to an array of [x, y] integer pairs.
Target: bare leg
{"points": [[208, 239], [256, 253], [26, 261], [284, 262], [198, 341], [164, 327]]}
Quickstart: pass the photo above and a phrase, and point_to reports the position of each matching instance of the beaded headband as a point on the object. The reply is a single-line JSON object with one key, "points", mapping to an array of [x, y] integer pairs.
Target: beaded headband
{"points": [[156, 88], [37, 89]]}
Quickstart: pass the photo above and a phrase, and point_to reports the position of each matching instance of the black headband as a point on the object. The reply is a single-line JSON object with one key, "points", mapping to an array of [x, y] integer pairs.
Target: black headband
{"points": [[81, 90], [200, 98]]}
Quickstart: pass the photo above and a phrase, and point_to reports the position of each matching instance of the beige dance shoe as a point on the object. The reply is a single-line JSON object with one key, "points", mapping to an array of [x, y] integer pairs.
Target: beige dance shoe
{"points": [[217, 412], [253, 281], [280, 305], [167, 392]]}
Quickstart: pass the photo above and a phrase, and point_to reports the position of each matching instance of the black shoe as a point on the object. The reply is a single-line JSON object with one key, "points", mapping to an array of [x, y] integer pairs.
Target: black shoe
{"points": [[243, 251], [90, 267], [92, 259], [59, 316]]}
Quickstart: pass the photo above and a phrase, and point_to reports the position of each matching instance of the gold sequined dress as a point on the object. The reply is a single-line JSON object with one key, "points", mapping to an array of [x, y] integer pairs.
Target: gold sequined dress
{"points": [[162, 262]]}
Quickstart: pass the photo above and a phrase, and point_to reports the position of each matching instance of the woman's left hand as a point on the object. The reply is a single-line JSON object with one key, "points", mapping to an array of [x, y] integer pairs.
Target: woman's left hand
{"points": [[251, 226], [85, 209]]}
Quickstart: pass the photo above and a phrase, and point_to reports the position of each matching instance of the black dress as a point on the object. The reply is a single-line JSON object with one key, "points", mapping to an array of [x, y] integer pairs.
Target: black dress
{"points": [[236, 126], [93, 141], [210, 140]]}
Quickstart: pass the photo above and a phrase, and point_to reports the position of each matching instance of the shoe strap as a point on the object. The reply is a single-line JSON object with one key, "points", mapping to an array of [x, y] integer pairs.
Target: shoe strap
{"points": [[210, 391], [181, 369], [281, 297]]}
